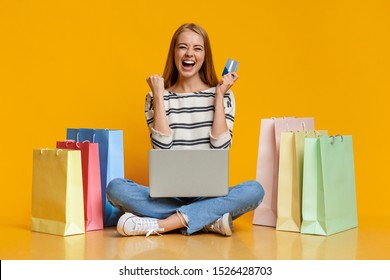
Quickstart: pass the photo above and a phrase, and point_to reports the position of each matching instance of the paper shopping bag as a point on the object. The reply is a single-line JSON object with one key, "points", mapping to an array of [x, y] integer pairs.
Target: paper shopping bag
{"points": [[111, 156], [57, 192], [329, 191], [268, 163], [93, 212], [290, 178]]}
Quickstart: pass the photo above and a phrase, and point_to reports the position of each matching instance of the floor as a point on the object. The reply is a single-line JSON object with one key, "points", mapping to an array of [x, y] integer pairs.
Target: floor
{"points": [[370, 241]]}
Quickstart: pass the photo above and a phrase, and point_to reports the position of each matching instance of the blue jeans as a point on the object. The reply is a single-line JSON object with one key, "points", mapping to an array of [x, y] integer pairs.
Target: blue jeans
{"points": [[129, 196]]}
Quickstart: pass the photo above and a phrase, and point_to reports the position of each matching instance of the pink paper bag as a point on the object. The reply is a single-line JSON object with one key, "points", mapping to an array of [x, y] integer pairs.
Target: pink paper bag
{"points": [[267, 170], [93, 212]]}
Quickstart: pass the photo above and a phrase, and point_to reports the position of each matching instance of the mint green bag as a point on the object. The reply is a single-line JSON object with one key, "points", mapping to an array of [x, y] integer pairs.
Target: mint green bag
{"points": [[328, 191]]}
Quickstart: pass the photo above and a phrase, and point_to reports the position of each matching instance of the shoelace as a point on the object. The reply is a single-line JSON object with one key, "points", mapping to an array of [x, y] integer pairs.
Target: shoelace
{"points": [[149, 226], [154, 231]]}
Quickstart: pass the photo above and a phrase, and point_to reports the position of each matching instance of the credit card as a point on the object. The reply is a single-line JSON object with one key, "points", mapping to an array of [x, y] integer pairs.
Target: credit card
{"points": [[231, 66]]}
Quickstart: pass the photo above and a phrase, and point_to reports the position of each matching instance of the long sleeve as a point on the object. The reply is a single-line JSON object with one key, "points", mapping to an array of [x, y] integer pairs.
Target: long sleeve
{"points": [[224, 141], [158, 139]]}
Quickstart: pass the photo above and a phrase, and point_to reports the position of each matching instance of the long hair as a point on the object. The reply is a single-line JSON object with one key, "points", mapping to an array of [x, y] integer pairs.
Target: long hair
{"points": [[207, 71]]}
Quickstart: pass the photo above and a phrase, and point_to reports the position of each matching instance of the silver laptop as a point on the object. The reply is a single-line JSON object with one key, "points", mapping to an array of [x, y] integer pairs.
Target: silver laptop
{"points": [[188, 173]]}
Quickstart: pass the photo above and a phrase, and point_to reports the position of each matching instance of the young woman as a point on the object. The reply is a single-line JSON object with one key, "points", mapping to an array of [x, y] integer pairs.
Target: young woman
{"points": [[187, 108]]}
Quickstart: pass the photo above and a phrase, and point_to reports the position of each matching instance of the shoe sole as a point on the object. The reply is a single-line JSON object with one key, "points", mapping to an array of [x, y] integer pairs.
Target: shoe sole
{"points": [[227, 223]]}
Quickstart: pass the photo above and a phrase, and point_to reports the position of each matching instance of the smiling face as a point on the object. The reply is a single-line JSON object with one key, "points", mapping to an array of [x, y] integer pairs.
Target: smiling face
{"points": [[193, 36], [189, 54]]}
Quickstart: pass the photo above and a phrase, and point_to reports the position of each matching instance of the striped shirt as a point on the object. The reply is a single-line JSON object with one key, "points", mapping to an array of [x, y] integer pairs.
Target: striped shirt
{"points": [[190, 117]]}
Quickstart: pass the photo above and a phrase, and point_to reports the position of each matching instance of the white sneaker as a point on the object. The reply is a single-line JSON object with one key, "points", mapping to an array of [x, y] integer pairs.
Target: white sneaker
{"points": [[223, 225], [130, 225]]}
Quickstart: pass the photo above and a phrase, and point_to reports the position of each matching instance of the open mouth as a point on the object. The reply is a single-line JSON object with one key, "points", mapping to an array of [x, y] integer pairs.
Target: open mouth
{"points": [[188, 64]]}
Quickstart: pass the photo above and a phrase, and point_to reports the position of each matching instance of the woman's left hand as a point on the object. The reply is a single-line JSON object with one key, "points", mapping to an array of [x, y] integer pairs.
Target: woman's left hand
{"points": [[226, 83]]}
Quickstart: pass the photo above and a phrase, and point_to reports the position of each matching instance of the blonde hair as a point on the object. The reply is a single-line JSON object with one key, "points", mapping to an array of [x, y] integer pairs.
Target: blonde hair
{"points": [[207, 72]]}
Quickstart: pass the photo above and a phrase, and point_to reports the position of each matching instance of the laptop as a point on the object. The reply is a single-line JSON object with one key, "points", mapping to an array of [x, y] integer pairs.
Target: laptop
{"points": [[188, 173]]}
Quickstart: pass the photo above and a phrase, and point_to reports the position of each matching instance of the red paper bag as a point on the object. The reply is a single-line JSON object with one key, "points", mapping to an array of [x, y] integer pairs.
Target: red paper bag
{"points": [[93, 212]]}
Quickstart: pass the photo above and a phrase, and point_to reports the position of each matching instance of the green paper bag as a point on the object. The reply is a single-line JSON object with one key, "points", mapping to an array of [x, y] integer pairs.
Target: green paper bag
{"points": [[290, 176], [328, 191]]}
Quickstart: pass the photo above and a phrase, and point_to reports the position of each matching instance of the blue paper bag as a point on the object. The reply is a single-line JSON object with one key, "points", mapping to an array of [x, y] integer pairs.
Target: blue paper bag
{"points": [[111, 156]]}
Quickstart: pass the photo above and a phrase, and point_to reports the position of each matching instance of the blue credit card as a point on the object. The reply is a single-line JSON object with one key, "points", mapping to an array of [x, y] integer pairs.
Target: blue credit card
{"points": [[231, 66]]}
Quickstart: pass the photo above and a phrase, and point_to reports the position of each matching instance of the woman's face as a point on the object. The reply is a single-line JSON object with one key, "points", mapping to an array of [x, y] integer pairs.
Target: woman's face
{"points": [[189, 54]]}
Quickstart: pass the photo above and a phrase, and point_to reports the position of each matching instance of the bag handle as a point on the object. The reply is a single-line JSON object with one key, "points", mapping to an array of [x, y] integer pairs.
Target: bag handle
{"points": [[303, 126], [94, 135], [67, 142], [333, 138], [316, 133], [57, 152], [78, 139]]}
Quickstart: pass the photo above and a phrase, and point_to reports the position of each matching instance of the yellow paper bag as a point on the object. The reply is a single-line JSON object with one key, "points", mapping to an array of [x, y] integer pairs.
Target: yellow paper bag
{"points": [[57, 192], [290, 176]]}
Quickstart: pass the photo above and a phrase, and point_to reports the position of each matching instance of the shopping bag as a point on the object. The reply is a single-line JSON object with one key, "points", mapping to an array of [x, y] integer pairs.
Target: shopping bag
{"points": [[290, 178], [57, 192], [93, 212], [268, 163], [111, 156], [329, 191]]}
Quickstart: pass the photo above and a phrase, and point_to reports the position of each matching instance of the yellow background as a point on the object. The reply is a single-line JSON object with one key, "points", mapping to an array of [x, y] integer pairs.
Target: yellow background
{"points": [[84, 63]]}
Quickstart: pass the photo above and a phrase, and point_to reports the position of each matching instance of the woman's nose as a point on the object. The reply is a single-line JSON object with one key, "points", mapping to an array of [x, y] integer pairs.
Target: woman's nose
{"points": [[189, 52]]}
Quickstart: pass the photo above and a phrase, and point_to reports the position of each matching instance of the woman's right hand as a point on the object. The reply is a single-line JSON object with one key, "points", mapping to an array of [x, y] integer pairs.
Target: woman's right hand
{"points": [[226, 83], [160, 120], [156, 84]]}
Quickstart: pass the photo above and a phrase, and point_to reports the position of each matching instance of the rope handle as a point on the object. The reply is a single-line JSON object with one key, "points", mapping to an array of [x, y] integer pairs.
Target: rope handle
{"points": [[333, 138]]}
